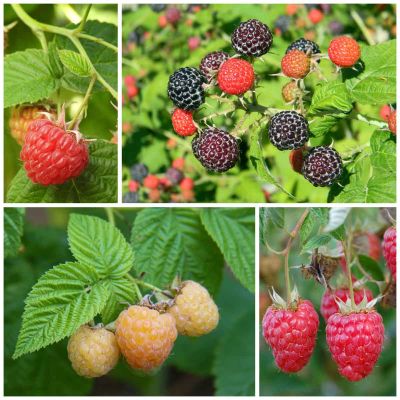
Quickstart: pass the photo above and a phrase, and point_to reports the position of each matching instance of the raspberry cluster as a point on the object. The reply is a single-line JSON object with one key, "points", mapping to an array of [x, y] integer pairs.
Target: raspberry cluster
{"points": [[145, 333], [173, 186]]}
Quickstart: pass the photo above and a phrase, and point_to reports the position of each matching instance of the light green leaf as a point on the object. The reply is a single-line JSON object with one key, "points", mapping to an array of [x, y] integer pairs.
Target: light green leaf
{"points": [[317, 241], [13, 229], [75, 63]]}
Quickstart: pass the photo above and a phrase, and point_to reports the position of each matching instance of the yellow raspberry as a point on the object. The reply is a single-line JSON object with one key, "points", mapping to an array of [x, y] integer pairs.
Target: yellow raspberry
{"points": [[21, 117], [194, 310], [145, 337], [92, 351]]}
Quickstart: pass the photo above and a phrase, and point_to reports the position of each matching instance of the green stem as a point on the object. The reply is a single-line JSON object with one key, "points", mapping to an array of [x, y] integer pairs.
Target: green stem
{"points": [[84, 19], [110, 215], [135, 285], [358, 20], [347, 255], [97, 40], [84, 102]]}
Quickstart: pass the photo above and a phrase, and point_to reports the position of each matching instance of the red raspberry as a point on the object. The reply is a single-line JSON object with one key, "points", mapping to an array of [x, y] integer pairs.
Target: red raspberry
{"points": [[145, 337], [186, 184], [329, 305], [52, 155], [130, 80], [295, 64], [344, 51], [21, 118], [296, 160], [93, 352], [385, 111], [162, 21], [355, 341], [188, 195], [173, 15], [182, 122], [154, 195], [315, 15], [389, 249], [392, 122], [151, 182], [133, 186], [235, 76], [291, 334], [132, 91], [179, 163], [291, 9]]}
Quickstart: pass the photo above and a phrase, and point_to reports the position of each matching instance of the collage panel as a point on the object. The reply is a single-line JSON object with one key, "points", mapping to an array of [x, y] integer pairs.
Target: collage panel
{"points": [[327, 301], [60, 103], [255, 103], [155, 301]]}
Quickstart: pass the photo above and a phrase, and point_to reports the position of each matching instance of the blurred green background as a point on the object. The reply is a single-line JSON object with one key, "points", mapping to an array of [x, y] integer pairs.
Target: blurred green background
{"points": [[101, 120], [194, 365], [320, 376], [153, 50]]}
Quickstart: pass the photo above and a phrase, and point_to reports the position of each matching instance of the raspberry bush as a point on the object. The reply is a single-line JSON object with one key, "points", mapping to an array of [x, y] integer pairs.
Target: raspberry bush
{"points": [[329, 262], [128, 289], [60, 104], [332, 65]]}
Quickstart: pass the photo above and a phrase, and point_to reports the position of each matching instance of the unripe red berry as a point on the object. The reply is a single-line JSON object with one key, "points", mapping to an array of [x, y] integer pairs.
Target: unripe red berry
{"points": [[315, 15], [151, 182], [133, 186], [187, 184]]}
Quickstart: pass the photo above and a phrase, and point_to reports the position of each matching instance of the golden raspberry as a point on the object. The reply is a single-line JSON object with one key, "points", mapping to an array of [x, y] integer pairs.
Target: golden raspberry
{"points": [[145, 337], [21, 117], [194, 310], [92, 351]]}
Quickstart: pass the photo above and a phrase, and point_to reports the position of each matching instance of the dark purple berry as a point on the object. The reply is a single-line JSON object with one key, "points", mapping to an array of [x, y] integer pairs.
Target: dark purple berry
{"points": [[174, 175], [139, 172], [210, 64]]}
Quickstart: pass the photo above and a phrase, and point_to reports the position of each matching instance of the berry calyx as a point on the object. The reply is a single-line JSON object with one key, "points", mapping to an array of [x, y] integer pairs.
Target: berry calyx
{"points": [[145, 336], [53, 155], [211, 63], [329, 305], [182, 122], [93, 352], [151, 182], [216, 149], [252, 38], [389, 249], [355, 341], [194, 310], [291, 333], [296, 64], [235, 76], [322, 166], [185, 88], [21, 118], [392, 122], [288, 130], [344, 51]]}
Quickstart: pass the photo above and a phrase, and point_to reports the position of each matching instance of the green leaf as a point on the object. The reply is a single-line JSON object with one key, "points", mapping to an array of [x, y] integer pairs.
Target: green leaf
{"points": [[27, 77], [122, 292], [317, 241], [376, 84], [257, 160], [172, 241], [75, 63], [236, 348], [233, 230], [97, 184], [63, 299], [13, 229], [99, 244], [371, 267], [276, 215], [308, 226]]}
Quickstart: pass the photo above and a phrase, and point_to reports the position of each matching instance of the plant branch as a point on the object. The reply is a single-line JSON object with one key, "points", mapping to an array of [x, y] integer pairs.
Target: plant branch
{"points": [[84, 19], [110, 215]]}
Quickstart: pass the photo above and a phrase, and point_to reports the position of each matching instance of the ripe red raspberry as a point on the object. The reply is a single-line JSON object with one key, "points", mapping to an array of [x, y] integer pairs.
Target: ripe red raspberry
{"points": [[329, 305], [52, 155], [355, 341], [21, 118], [133, 186], [385, 111], [145, 337], [296, 160], [389, 249], [291, 92], [194, 310], [344, 51], [315, 15], [235, 76], [187, 184], [392, 122], [295, 64], [179, 163], [93, 352], [183, 124], [291, 334], [151, 182]]}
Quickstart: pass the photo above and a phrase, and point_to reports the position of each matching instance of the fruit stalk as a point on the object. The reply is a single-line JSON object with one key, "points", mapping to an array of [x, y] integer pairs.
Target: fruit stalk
{"points": [[347, 255]]}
